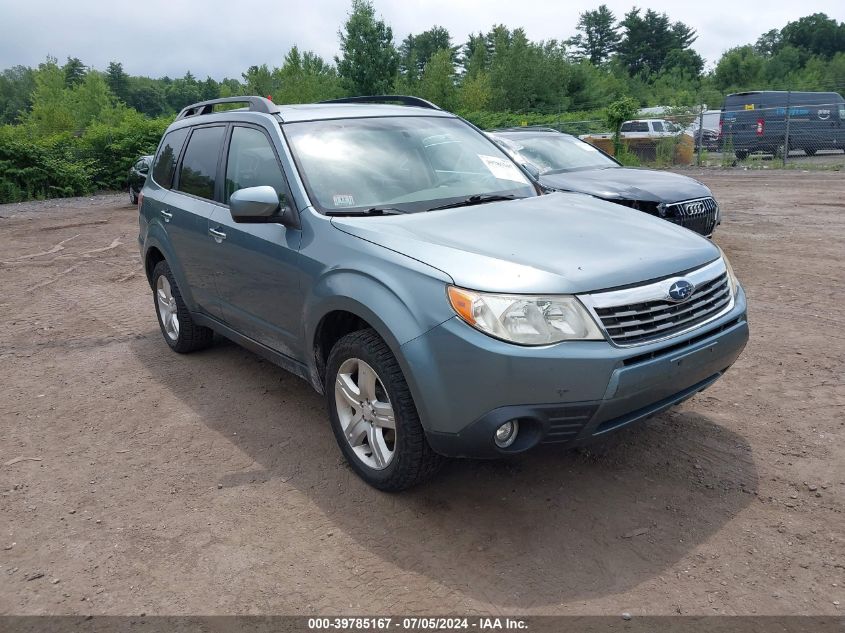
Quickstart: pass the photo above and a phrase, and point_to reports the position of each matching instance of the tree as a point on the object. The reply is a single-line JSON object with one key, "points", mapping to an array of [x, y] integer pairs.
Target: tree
{"points": [[306, 78], [599, 36], [368, 62], [781, 68], [183, 92], [16, 87], [91, 100], [147, 96], [118, 81], [741, 67], [259, 81], [815, 34], [648, 39], [416, 51], [74, 71], [768, 43], [525, 75], [684, 62], [209, 89], [617, 113], [475, 92], [475, 55], [438, 80], [51, 113]]}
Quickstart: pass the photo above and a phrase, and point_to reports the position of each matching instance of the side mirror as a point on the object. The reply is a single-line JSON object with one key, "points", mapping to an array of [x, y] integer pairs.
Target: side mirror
{"points": [[256, 204], [532, 170]]}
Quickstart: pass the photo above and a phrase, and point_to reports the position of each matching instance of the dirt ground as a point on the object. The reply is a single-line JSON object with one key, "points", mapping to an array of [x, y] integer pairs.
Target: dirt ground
{"points": [[135, 480]]}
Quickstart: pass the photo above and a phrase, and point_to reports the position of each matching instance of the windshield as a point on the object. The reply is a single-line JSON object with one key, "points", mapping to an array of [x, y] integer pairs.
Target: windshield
{"points": [[557, 153], [406, 164]]}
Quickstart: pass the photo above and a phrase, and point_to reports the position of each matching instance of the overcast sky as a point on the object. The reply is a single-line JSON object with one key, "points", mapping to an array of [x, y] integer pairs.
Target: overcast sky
{"points": [[223, 37]]}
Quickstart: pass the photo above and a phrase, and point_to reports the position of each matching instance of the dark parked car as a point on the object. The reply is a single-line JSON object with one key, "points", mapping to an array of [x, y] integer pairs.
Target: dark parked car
{"points": [[138, 176], [706, 138], [565, 163]]}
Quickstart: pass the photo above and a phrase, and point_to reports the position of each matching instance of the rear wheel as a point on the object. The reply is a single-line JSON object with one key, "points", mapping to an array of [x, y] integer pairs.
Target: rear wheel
{"points": [[174, 319], [810, 151], [741, 154], [133, 197], [373, 415]]}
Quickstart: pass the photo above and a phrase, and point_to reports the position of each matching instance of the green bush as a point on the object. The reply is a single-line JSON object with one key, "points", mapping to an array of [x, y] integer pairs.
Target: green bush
{"points": [[67, 165], [114, 148], [627, 157], [48, 168]]}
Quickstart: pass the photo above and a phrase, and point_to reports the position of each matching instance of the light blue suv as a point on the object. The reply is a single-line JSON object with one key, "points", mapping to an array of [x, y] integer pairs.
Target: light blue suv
{"points": [[394, 257]]}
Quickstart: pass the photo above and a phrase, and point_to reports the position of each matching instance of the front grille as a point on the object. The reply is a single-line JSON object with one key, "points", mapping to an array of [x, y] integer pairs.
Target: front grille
{"points": [[698, 215], [657, 318]]}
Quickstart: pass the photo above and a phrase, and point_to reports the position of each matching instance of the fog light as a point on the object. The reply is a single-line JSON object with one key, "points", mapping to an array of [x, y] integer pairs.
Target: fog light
{"points": [[506, 434]]}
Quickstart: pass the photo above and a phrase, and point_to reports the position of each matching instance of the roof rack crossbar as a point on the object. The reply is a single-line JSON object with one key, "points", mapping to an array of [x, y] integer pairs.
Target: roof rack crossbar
{"points": [[256, 104], [402, 99]]}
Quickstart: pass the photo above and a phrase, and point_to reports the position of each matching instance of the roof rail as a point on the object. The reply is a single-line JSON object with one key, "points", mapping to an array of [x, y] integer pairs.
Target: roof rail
{"points": [[256, 104], [403, 99]]}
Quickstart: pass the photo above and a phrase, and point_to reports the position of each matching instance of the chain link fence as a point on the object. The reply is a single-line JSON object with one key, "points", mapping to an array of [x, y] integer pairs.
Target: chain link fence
{"points": [[766, 129]]}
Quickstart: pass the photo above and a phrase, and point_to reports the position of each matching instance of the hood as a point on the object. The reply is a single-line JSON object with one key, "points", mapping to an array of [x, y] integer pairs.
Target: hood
{"points": [[629, 184], [557, 243]]}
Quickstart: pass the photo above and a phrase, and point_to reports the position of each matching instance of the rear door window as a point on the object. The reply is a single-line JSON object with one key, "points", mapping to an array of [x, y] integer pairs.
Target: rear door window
{"points": [[657, 126], [165, 161], [198, 173]]}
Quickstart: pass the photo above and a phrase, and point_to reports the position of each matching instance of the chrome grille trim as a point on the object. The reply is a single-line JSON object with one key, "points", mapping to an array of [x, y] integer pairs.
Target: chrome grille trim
{"points": [[693, 207], [697, 214], [643, 314]]}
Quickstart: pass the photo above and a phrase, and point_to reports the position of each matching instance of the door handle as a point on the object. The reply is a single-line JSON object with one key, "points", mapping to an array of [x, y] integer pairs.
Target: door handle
{"points": [[218, 236], [166, 215]]}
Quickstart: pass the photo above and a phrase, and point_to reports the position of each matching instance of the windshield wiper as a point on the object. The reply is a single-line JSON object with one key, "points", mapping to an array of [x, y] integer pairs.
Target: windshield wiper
{"points": [[370, 211], [476, 199]]}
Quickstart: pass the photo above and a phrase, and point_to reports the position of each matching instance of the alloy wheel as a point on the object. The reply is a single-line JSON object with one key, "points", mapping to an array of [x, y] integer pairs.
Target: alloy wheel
{"points": [[166, 303], [365, 413]]}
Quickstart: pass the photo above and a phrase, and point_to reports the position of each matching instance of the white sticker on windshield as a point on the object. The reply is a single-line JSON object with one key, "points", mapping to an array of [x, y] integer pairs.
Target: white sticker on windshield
{"points": [[343, 200], [502, 168]]}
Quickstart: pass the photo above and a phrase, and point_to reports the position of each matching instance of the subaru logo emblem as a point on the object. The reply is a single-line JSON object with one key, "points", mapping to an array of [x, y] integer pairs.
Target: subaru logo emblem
{"points": [[681, 290]]}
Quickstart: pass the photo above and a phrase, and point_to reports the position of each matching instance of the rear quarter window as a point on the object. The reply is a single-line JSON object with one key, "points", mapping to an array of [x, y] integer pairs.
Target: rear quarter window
{"points": [[165, 161]]}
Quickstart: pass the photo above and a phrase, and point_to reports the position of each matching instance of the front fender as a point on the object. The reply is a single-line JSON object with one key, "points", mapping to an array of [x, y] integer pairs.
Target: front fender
{"points": [[399, 305]]}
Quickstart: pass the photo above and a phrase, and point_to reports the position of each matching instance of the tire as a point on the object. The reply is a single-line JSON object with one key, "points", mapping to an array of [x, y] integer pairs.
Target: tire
{"points": [[810, 151], [741, 154], [133, 197], [411, 460], [178, 328]]}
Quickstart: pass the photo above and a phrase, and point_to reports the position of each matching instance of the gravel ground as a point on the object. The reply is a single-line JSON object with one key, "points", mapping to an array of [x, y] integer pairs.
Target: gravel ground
{"points": [[136, 480]]}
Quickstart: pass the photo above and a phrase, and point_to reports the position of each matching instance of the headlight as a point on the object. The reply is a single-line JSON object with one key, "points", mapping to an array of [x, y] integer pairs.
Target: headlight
{"points": [[523, 319], [732, 280]]}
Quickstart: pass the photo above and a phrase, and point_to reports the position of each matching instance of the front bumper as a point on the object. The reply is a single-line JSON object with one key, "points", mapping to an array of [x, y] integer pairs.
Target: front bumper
{"points": [[466, 384]]}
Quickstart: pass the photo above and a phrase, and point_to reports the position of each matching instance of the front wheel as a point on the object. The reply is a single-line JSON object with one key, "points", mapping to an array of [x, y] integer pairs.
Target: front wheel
{"points": [[741, 154], [373, 415]]}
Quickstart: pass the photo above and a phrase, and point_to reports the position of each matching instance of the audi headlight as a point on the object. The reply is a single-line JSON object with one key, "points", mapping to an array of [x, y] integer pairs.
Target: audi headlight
{"points": [[523, 319], [732, 280]]}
